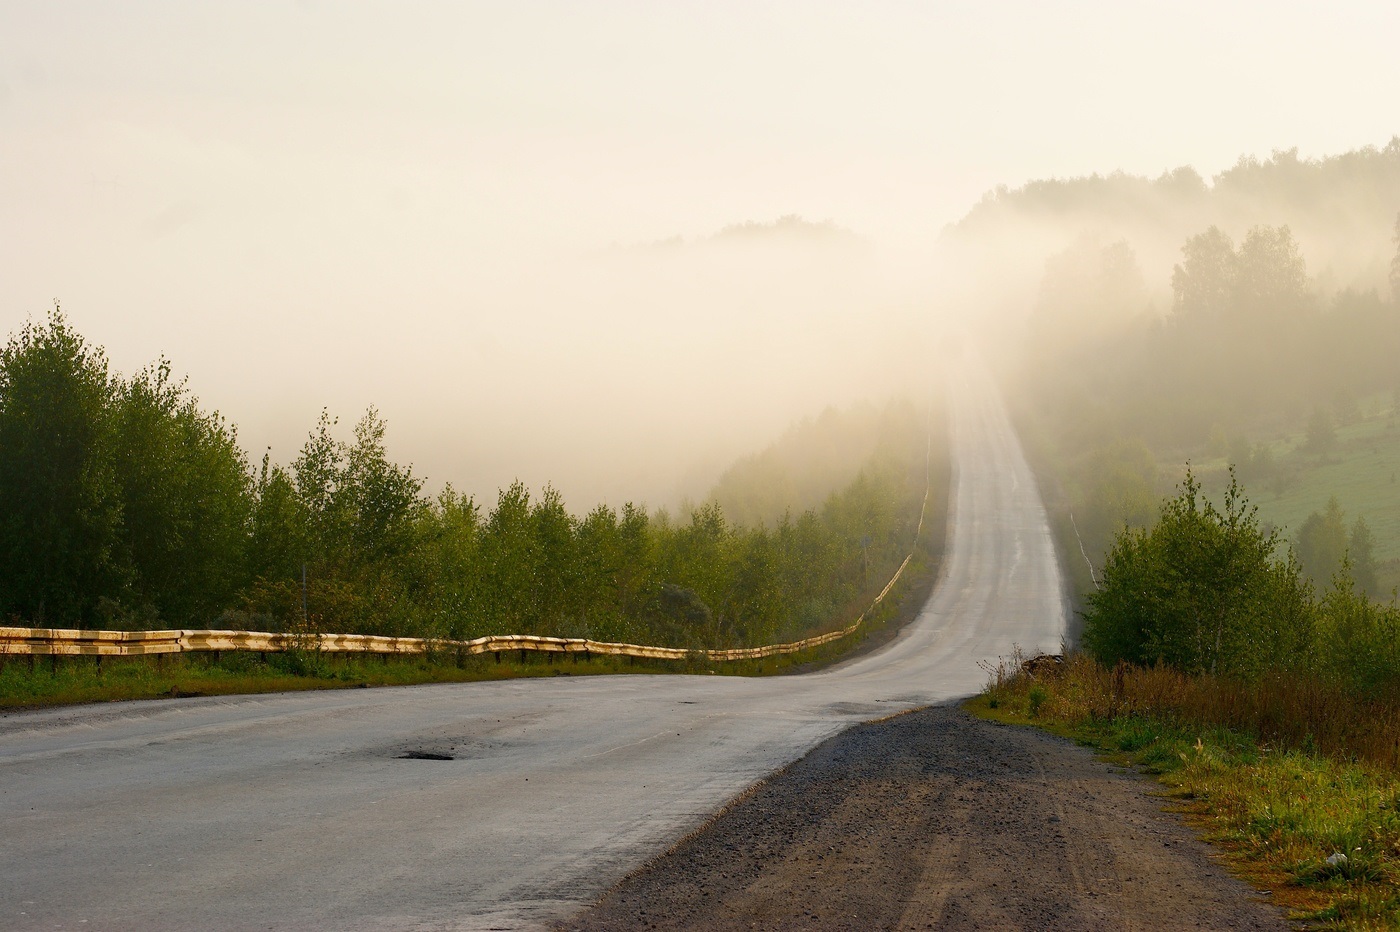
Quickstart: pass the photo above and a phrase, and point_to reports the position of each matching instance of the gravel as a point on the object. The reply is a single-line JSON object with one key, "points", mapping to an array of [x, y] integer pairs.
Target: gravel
{"points": [[936, 819]]}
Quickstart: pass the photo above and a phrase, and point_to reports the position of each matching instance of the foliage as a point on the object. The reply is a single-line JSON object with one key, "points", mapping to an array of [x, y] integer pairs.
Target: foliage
{"points": [[1200, 591], [1326, 548], [127, 505], [60, 503], [185, 497]]}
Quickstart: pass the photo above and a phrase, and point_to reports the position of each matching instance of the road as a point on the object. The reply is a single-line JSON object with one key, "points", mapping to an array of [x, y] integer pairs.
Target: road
{"points": [[298, 810]]}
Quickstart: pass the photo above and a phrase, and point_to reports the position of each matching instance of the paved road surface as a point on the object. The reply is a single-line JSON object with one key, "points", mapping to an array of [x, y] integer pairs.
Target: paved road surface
{"points": [[297, 810]]}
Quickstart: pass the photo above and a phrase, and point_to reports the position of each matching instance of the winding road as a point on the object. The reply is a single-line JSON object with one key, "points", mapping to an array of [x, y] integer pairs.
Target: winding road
{"points": [[299, 810]]}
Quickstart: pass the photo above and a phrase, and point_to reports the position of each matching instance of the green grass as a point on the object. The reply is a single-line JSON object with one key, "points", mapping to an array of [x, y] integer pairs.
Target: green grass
{"points": [[1363, 472], [81, 679]]}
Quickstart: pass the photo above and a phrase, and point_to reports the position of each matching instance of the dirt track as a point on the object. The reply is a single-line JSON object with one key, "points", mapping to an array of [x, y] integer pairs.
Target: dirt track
{"points": [[938, 820]]}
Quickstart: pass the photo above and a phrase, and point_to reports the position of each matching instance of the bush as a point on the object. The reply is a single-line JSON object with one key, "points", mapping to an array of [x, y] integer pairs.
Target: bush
{"points": [[1201, 591]]}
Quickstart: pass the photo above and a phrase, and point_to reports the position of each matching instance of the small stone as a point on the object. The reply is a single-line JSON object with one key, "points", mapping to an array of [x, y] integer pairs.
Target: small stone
{"points": [[1336, 859]]}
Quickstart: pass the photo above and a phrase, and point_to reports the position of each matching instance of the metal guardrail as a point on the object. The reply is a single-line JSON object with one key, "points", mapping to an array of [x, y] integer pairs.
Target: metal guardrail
{"points": [[83, 642]]}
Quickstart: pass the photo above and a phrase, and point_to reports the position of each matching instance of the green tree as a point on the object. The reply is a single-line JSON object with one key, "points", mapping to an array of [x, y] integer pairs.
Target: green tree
{"points": [[508, 564], [1361, 551], [1322, 543], [447, 561], [1200, 591], [1359, 639], [558, 572], [186, 498], [361, 514], [60, 511]]}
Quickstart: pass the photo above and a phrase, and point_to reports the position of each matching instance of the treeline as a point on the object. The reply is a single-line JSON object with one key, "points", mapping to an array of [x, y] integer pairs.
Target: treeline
{"points": [[813, 459], [1247, 351], [1205, 590], [1362, 185], [1246, 343], [123, 504]]}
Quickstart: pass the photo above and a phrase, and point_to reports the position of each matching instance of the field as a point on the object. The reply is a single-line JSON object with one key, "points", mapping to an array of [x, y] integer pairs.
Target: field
{"points": [[1362, 471]]}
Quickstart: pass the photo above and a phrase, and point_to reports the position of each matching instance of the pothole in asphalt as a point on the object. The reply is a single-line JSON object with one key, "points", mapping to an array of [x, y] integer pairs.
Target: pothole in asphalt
{"points": [[425, 755]]}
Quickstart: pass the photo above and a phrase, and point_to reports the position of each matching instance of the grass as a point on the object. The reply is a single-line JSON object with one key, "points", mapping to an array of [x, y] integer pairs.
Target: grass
{"points": [[80, 679], [1278, 799], [1362, 471]]}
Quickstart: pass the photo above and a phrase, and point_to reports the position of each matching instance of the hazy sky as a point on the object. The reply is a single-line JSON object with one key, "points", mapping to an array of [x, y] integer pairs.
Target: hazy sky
{"points": [[308, 204]]}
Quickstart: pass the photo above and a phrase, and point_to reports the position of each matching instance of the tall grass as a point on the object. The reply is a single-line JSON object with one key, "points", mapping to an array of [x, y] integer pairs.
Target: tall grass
{"points": [[1294, 778], [1283, 711]]}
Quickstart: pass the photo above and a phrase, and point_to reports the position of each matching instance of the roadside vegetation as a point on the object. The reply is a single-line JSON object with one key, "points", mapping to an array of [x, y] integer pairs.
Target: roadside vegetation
{"points": [[1248, 655], [1272, 709], [1319, 831], [125, 505]]}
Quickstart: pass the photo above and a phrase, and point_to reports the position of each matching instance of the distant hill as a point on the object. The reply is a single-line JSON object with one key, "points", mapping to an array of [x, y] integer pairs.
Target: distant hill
{"points": [[1341, 210]]}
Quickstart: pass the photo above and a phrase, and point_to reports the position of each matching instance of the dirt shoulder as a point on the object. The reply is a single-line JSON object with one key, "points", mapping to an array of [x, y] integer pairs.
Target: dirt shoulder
{"points": [[936, 819]]}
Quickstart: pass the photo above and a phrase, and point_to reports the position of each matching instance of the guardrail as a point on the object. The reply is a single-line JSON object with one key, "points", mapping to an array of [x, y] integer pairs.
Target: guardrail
{"points": [[81, 642]]}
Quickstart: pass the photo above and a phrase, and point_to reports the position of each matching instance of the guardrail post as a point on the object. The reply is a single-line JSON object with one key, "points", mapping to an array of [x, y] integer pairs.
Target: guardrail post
{"points": [[498, 656]]}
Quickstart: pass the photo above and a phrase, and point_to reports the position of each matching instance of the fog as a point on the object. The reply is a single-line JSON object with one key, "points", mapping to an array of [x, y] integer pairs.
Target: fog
{"points": [[504, 224]]}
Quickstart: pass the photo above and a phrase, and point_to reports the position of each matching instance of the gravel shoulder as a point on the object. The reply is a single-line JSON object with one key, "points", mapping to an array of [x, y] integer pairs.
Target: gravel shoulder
{"points": [[936, 819]]}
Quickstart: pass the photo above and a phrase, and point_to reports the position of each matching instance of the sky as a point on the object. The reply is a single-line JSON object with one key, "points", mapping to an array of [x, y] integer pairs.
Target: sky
{"points": [[438, 208]]}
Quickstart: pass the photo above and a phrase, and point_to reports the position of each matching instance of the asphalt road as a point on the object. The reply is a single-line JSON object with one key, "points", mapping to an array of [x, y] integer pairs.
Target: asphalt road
{"points": [[299, 811]]}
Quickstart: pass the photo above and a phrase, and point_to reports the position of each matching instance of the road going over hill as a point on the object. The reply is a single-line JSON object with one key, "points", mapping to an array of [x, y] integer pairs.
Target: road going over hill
{"points": [[299, 810]]}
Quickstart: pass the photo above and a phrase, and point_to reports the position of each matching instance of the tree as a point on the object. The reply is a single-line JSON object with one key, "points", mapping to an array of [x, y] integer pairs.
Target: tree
{"points": [[185, 498], [1203, 283], [1271, 276], [1266, 275], [59, 509], [1200, 591], [1361, 552], [1322, 544]]}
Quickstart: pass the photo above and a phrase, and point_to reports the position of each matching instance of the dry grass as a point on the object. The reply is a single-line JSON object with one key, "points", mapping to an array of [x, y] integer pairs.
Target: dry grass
{"points": [[1281, 774], [1286, 712]]}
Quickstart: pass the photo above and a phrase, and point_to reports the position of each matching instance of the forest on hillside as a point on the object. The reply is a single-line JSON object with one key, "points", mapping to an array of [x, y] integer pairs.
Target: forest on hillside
{"points": [[1257, 366]]}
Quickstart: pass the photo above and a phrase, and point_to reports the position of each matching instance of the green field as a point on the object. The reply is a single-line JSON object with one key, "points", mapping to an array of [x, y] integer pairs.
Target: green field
{"points": [[1362, 471]]}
